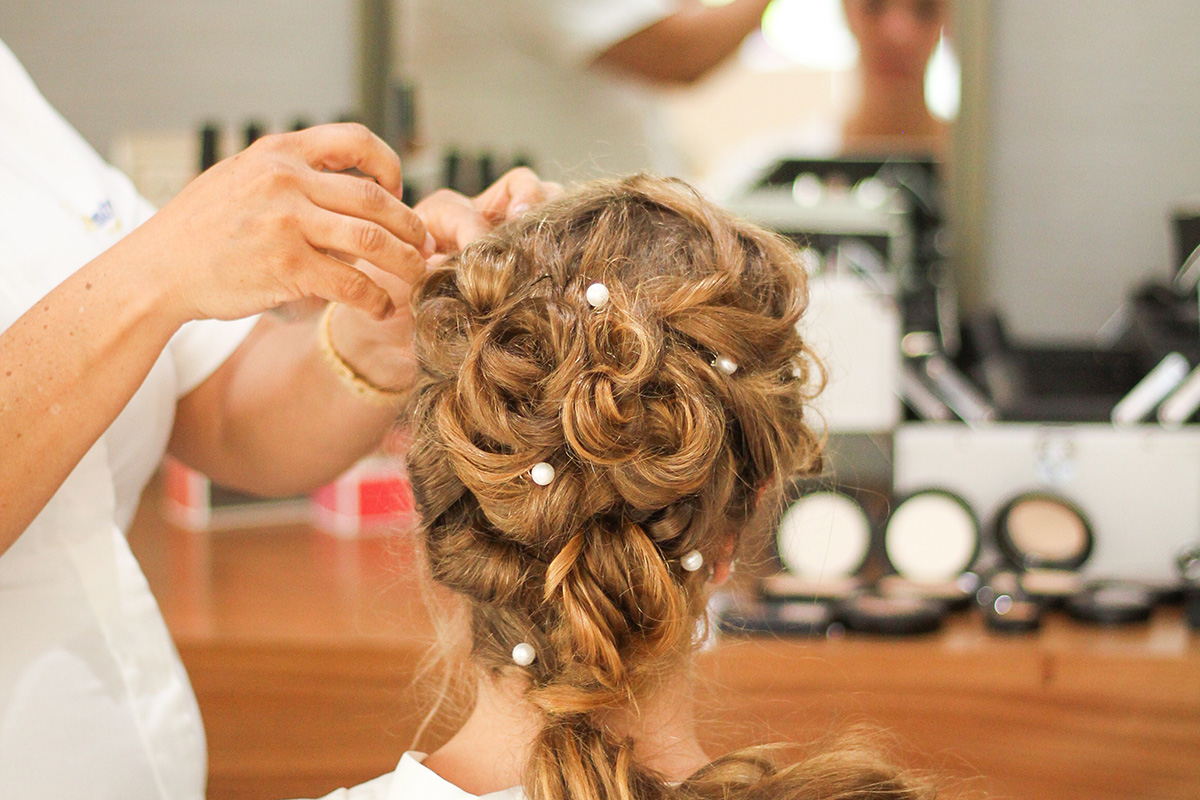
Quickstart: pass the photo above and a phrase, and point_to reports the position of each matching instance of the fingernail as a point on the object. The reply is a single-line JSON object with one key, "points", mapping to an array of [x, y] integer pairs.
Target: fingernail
{"points": [[518, 209], [430, 246]]}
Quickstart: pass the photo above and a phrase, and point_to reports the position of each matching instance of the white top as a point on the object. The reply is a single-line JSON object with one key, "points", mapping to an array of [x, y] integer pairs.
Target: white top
{"points": [[94, 701], [516, 76], [411, 780]]}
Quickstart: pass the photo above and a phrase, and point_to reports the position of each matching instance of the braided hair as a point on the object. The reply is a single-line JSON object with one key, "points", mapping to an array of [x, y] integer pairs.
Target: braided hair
{"points": [[656, 453]]}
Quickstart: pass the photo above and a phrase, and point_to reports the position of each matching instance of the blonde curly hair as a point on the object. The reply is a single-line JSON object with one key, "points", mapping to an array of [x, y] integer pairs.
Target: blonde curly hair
{"points": [[656, 453]]}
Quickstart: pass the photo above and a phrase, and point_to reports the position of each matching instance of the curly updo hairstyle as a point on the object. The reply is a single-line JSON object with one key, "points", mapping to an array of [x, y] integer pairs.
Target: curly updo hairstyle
{"points": [[656, 452]]}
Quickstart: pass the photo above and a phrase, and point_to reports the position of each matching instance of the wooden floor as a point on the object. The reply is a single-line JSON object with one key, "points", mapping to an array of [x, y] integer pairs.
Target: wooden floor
{"points": [[304, 648]]}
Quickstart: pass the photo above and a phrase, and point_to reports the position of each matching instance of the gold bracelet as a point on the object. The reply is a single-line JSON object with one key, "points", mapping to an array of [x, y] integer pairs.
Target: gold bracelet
{"points": [[350, 377]]}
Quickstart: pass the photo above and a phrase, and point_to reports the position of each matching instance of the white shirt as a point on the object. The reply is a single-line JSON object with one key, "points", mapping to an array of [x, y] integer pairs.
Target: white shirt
{"points": [[94, 701], [515, 77], [412, 780]]}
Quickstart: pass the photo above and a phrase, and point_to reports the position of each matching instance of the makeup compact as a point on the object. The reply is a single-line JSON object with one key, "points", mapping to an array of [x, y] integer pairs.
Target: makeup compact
{"points": [[824, 538], [1112, 602], [1006, 607], [795, 617], [1008, 614], [954, 594], [1051, 585], [889, 615], [1039, 530], [931, 540]]}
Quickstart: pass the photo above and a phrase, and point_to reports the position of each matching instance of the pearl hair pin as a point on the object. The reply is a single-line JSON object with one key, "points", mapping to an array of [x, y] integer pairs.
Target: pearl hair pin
{"points": [[524, 654], [542, 473], [692, 560], [725, 364], [597, 296]]}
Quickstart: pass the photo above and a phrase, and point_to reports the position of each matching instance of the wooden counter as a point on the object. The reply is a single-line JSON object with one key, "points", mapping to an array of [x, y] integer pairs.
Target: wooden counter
{"points": [[303, 649]]}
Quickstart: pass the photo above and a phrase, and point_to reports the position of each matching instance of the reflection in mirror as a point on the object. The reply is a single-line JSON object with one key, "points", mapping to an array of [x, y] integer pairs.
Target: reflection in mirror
{"points": [[569, 86], [824, 77]]}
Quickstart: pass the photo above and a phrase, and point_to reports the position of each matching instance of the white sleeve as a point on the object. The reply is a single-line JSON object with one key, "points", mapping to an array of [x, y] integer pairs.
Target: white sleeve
{"points": [[577, 31], [198, 348]]}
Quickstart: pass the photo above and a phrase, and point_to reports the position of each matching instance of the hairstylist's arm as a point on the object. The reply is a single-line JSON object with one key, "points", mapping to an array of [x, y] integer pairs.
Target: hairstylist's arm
{"points": [[683, 47], [247, 235], [275, 418]]}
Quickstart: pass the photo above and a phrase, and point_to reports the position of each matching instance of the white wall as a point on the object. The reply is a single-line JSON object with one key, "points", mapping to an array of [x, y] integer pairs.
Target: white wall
{"points": [[1095, 114], [112, 66]]}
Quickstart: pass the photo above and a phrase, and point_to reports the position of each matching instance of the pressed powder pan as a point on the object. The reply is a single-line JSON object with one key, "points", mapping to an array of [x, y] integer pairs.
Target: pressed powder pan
{"points": [[824, 538], [1042, 530], [932, 536], [931, 540], [1112, 602]]}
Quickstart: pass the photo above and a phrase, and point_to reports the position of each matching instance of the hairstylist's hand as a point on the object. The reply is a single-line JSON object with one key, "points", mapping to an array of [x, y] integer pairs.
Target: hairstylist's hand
{"points": [[381, 350], [257, 229], [455, 221]]}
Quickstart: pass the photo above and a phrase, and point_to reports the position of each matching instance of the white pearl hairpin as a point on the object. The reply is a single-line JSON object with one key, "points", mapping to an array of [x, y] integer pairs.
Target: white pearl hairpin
{"points": [[524, 654], [542, 473], [725, 364], [692, 560], [597, 295]]}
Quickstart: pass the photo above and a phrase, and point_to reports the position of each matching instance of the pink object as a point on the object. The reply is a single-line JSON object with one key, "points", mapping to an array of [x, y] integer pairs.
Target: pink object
{"points": [[373, 496]]}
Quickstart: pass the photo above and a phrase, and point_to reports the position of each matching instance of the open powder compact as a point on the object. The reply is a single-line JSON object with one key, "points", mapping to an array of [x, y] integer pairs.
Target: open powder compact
{"points": [[931, 541], [1039, 530], [824, 538], [1113, 602], [1049, 538]]}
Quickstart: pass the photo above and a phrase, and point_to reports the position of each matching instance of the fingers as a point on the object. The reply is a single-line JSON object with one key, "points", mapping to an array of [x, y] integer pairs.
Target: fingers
{"points": [[349, 145], [515, 191], [365, 199], [365, 239], [452, 219], [336, 281]]}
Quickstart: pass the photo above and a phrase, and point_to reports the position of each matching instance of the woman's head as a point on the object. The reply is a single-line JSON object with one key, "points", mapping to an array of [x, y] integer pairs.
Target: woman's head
{"points": [[896, 37], [657, 451]]}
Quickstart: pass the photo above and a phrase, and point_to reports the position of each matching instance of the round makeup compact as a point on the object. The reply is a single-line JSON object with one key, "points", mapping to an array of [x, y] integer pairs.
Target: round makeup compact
{"points": [[1050, 585], [932, 538], [790, 617], [823, 538], [1041, 530], [1112, 602], [955, 594], [891, 615]]}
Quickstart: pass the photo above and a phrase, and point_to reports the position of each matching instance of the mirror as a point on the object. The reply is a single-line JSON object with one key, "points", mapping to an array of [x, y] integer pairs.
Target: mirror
{"points": [[513, 81], [1075, 142]]}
